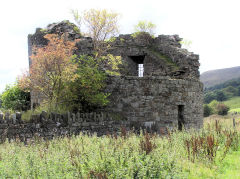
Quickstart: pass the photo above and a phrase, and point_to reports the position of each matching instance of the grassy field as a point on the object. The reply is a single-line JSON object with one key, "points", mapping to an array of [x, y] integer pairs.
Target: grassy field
{"points": [[233, 103], [212, 152], [234, 110]]}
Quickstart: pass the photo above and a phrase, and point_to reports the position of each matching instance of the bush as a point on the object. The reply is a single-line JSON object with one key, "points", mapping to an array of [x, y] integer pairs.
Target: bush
{"points": [[14, 98], [222, 109], [207, 110], [213, 106], [86, 92]]}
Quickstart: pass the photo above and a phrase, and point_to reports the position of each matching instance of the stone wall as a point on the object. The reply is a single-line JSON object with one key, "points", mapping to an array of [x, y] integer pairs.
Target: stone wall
{"points": [[52, 125], [163, 56], [169, 94], [157, 100]]}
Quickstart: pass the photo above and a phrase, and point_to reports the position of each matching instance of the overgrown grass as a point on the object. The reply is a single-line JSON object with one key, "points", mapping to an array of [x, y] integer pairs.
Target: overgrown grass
{"points": [[207, 153], [26, 115]]}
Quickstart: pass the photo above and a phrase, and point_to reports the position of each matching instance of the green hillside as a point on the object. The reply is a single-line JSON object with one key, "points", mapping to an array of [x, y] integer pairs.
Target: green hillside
{"points": [[214, 77], [222, 92], [234, 104]]}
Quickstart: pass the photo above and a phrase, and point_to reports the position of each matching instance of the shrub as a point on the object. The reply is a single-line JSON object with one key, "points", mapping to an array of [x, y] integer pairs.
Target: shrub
{"points": [[86, 92], [207, 110], [222, 109], [145, 26], [144, 31], [213, 106], [13, 98]]}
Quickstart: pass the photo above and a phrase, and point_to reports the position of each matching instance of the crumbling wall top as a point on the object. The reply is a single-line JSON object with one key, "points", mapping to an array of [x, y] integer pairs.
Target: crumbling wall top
{"points": [[164, 55]]}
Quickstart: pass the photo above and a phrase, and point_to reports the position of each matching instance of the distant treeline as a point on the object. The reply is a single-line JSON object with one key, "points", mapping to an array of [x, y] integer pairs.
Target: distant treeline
{"points": [[223, 91]]}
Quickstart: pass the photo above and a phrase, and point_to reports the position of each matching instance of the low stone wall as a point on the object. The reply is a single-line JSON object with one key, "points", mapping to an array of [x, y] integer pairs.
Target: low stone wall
{"points": [[52, 125]]}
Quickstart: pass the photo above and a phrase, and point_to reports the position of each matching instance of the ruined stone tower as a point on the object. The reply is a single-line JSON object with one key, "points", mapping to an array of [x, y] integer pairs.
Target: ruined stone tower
{"points": [[159, 83]]}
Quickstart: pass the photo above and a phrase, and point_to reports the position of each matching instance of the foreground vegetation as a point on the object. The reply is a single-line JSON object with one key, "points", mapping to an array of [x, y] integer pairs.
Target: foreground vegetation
{"points": [[208, 153]]}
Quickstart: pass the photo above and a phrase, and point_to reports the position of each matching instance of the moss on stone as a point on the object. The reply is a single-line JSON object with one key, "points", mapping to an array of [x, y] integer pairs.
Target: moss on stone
{"points": [[117, 116], [166, 59], [76, 29]]}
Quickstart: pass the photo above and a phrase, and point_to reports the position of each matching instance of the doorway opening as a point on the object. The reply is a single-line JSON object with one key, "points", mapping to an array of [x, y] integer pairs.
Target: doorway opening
{"points": [[180, 117]]}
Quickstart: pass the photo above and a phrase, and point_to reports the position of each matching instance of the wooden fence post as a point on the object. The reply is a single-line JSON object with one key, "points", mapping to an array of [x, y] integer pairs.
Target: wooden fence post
{"points": [[234, 123]]}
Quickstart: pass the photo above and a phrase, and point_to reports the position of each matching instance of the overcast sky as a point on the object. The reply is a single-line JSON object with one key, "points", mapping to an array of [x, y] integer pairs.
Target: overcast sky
{"points": [[212, 26]]}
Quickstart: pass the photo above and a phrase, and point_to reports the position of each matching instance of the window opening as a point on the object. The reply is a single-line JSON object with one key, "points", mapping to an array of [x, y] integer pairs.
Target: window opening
{"points": [[138, 63], [140, 70]]}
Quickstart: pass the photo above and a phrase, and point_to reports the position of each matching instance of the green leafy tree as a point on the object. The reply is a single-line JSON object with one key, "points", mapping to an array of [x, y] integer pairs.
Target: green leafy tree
{"points": [[221, 96], [101, 25], [14, 98], [87, 90], [145, 26], [232, 91], [144, 31], [208, 97], [207, 110], [238, 91], [186, 43], [213, 106]]}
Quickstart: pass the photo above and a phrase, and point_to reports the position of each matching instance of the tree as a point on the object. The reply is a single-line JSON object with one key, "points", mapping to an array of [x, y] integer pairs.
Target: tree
{"points": [[52, 69], [238, 91], [208, 97], [221, 96], [87, 90], [207, 110], [232, 90], [14, 98], [213, 106], [145, 26], [186, 43], [100, 24], [144, 31]]}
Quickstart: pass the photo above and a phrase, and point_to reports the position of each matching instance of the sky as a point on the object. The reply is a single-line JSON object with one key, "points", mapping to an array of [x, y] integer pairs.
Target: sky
{"points": [[211, 25]]}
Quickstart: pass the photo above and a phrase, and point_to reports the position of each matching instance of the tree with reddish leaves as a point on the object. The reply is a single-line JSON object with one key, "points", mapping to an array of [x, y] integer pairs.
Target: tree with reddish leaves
{"points": [[51, 70]]}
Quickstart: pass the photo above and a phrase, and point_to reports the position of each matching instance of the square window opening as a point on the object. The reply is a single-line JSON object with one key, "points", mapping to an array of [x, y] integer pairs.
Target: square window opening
{"points": [[139, 65]]}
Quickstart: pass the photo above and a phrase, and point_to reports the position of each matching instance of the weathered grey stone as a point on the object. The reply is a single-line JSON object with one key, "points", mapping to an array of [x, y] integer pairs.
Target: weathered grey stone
{"points": [[18, 116], [73, 117], [3, 126], [38, 126], [14, 119], [170, 84], [69, 118], [44, 115], [7, 116], [85, 124], [1, 116]]}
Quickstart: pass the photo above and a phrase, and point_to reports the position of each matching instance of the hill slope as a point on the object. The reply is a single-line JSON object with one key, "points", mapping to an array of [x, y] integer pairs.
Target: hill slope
{"points": [[233, 103], [214, 77]]}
